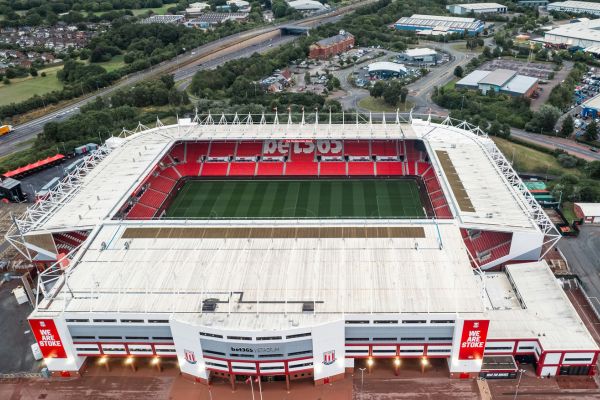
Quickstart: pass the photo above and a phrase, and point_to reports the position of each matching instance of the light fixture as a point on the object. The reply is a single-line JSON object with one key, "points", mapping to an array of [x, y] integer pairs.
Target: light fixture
{"points": [[102, 360], [155, 360], [397, 362], [129, 360], [370, 362], [424, 361]]}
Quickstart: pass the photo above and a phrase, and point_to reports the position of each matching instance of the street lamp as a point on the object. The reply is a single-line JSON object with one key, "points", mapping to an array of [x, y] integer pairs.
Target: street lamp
{"points": [[518, 383], [362, 380], [396, 365]]}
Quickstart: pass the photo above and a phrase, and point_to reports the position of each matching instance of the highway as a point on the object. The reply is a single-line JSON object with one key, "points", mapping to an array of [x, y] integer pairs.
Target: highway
{"points": [[184, 66]]}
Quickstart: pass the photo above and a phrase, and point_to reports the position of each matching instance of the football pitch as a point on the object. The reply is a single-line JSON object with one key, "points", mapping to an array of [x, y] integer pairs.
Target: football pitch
{"points": [[323, 198]]}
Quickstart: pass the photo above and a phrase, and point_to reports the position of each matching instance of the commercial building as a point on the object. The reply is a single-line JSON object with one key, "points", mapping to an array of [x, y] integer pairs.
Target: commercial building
{"points": [[208, 20], [195, 9], [533, 3], [422, 55], [588, 212], [581, 35], [575, 7], [418, 22], [163, 19], [591, 107], [331, 46], [477, 8], [311, 298], [386, 70], [308, 5], [501, 80]]}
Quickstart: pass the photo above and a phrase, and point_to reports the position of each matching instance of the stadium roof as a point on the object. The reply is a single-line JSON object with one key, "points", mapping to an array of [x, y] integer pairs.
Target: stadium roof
{"points": [[545, 312], [387, 66], [439, 21], [100, 193], [342, 275]]}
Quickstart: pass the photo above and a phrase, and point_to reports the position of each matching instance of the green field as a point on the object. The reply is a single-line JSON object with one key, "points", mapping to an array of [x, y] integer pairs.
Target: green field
{"points": [[323, 198], [23, 88]]}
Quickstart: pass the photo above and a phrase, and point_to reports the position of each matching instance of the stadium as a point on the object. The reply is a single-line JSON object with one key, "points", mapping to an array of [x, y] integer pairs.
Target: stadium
{"points": [[286, 251]]}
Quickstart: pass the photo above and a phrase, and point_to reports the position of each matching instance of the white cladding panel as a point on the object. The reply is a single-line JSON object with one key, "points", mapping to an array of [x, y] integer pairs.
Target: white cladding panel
{"points": [[189, 350], [327, 338], [552, 358]]}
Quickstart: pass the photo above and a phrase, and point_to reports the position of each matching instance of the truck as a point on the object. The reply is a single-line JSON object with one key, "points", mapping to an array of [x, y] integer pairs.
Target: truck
{"points": [[5, 129]]}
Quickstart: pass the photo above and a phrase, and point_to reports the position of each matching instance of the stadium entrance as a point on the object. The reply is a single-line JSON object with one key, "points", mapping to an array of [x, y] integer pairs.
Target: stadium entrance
{"points": [[401, 366]]}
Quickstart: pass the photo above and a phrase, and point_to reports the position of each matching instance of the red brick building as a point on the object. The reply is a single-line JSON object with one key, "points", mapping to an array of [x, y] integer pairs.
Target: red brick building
{"points": [[328, 47]]}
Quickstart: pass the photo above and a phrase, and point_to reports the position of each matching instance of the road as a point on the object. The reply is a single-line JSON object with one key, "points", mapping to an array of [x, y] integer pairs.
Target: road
{"points": [[185, 66], [553, 142]]}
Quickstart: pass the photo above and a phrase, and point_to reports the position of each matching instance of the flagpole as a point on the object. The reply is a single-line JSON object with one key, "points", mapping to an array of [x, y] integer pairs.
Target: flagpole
{"points": [[259, 387], [252, 387]]}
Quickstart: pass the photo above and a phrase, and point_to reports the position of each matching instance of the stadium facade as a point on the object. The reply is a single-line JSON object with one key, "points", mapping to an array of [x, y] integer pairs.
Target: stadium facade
{"points": [[307, 297]]}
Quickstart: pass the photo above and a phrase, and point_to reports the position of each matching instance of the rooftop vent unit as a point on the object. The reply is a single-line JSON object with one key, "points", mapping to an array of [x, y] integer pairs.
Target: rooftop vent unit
{"points": [[209, 305], [308, 307]]}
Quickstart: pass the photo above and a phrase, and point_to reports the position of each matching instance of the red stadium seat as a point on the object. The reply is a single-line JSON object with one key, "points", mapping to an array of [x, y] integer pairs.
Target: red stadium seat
{"points": [[422, 167], [270, 169], [153, 198], [170, 173], [140, 211], [411, 168], [363, 168], [332, 168], [412, 154], [389, 168], [330, 148], [189, 169], [301, 168], [214, 169], [357, 148], [242, 168], [222, 149], [249, 149], [178, 152], [195, 151], [384, 147], [162, 184]]}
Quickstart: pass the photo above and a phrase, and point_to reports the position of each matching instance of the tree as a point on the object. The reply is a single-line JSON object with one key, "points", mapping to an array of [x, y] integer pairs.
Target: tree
{"points": [[33, 71], [487, 53], [307, 78], [567, 126], [544, 119], [567, 161], [403, 94], [391, 93], [593, 169], [591, 132], [6, 81], [458, 71], [377, 89]]}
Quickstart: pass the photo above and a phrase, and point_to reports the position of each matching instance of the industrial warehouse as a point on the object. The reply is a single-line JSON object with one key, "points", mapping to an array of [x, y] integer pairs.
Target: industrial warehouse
{"points": [[418, 23], [430, 249]]}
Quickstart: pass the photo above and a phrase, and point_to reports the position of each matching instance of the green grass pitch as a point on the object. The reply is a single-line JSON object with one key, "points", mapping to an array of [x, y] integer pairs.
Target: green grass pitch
{"points": [[323, 198]]}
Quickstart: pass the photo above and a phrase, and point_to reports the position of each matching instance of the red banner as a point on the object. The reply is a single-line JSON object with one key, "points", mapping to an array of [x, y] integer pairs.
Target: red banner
{"points": [[48, 339], [472, 341]]}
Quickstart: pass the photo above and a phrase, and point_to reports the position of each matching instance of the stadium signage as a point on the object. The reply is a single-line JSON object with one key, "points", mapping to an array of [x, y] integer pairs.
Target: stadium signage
{"points": [[329, 357], [302, 146], [48, 339], [472, 342], [254, 350]]}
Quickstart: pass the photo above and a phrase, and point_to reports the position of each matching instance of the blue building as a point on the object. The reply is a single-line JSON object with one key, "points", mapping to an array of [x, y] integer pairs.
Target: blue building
{"points": [[418, 22]]}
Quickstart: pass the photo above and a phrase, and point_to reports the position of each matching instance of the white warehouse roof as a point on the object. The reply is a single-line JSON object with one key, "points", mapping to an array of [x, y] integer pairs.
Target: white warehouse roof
{"points": [[478, 6], [420, 52], [589, 209], [387, 66], [307, 5], [581, 6]]}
